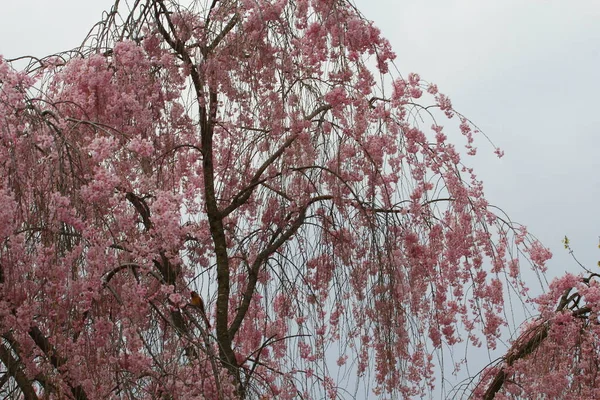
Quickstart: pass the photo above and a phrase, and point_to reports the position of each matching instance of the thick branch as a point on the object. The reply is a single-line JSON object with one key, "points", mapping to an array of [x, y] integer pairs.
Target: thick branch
{"points": [[169, 271], [13, 368], [523, 349], [206, 120], [230, 25], [179, 48], [218, 235], [44, 344], [141, 207]]}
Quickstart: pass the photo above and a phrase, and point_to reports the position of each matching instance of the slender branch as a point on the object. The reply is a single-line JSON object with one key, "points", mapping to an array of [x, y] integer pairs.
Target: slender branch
{"points": [[245, 194], [262, 257]]}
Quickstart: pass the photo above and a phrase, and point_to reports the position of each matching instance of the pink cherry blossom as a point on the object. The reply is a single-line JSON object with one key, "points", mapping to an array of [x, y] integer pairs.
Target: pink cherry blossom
{"points": [[246, 152]]}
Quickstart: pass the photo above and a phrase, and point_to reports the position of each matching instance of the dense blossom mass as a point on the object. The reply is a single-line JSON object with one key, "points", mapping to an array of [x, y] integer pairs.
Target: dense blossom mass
{"points": [[238, 199]]}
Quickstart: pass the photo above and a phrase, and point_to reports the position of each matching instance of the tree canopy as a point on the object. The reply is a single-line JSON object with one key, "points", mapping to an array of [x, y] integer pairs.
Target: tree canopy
{"points": [[242, 199]]}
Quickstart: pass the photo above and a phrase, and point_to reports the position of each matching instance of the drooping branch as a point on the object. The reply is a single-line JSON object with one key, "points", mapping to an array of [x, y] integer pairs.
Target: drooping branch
{"points": [[281, 76]]}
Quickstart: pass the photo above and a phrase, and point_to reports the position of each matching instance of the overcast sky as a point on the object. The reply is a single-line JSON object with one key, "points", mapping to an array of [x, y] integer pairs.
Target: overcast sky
{"points": [[527, 72]]}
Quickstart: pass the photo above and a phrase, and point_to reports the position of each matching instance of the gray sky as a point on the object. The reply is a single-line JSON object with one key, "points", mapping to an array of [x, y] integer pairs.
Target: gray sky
{"points": [[526, 72], [41, 27]]}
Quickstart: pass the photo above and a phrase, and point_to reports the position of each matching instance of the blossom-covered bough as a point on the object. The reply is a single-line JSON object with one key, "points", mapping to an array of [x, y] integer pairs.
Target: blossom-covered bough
{"points": [[242, 149], [556, 356]]}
